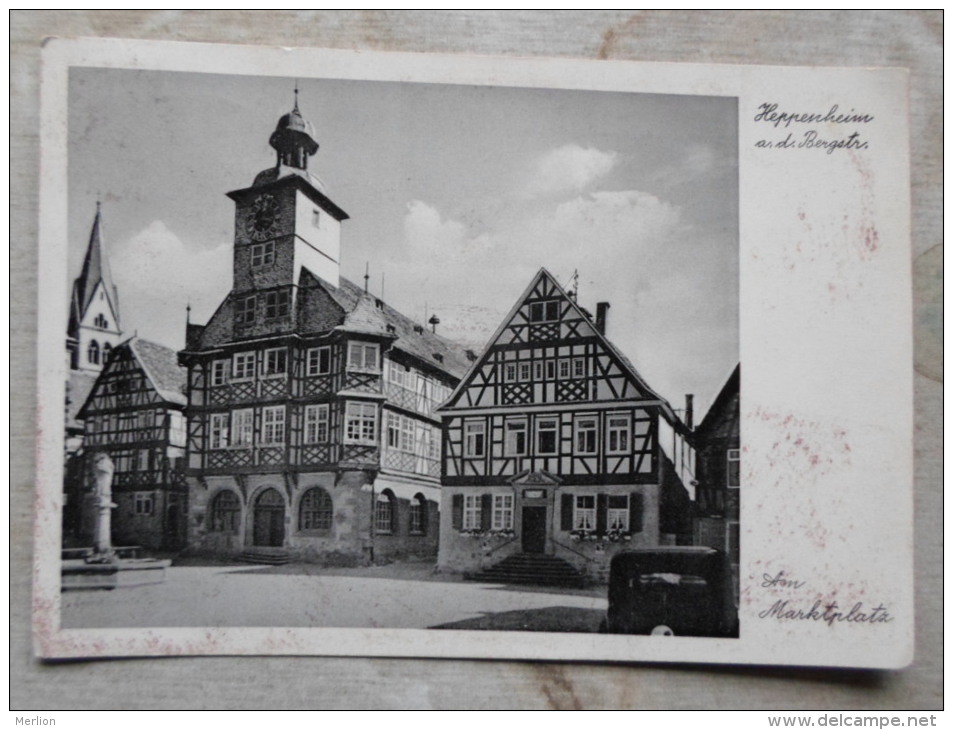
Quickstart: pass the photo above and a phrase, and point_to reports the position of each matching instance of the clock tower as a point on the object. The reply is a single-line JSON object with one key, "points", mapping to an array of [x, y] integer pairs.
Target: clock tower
{"points": [[284, 222]]}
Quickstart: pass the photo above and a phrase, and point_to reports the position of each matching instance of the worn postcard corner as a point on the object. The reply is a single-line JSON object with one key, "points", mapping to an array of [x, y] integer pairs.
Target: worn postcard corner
{"points": [[414, 355]]}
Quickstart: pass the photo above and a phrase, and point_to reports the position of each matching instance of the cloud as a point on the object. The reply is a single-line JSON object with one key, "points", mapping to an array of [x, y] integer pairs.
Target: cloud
{"points": [[157, 274], [569, 168], [671, 291], [425, 228]]}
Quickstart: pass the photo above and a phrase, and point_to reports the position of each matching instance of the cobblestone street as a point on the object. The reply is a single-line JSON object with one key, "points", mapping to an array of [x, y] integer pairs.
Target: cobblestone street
{"points": [[394, 596]]}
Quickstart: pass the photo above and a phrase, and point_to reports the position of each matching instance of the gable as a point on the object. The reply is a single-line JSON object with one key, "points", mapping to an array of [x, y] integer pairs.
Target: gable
{"points": [[99, 304], [132, 378], [546, 351]]}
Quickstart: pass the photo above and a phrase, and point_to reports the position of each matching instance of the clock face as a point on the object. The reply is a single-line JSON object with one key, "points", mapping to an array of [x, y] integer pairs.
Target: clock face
{"points": [[263, 221]]}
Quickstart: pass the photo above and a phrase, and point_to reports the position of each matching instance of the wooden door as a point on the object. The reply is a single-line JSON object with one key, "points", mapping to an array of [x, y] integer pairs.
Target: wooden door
{"points": [[269, 527], [534, 529]]}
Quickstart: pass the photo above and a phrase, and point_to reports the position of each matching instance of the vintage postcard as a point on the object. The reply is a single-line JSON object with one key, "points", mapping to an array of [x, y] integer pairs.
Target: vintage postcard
{"points": [[441, 356]]}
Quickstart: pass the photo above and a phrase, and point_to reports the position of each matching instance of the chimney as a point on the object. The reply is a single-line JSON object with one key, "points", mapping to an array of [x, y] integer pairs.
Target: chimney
{"points": [[602, 310], [689, 410]]}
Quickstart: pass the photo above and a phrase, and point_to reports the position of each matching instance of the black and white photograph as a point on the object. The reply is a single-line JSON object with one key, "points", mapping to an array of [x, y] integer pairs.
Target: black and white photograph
{"points": [[396, 355], [405, 355]]}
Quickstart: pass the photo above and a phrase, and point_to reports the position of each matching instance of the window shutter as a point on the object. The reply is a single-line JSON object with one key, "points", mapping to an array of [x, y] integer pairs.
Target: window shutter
{"points": [[565, 519], [486, 508], [457, 511], [635, 512], [602, 515]]}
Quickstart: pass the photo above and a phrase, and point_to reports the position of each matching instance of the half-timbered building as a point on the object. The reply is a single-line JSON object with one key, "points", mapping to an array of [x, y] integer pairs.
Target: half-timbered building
{"points": [[310, 401], [718, 445], [134, 413], [554, 445]]}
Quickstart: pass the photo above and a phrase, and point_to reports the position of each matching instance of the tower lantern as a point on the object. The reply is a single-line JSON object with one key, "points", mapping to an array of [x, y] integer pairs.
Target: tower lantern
{"points": [[294, 139]]}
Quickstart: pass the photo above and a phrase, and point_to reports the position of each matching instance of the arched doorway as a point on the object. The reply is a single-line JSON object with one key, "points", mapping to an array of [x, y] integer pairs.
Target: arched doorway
{"points": [[269, 527]]}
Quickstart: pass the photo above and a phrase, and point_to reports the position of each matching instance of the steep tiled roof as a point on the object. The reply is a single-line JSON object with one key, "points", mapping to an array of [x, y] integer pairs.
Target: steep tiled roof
{"points": [[78, 386], [322, 308], [162, 368], [372, 315]]}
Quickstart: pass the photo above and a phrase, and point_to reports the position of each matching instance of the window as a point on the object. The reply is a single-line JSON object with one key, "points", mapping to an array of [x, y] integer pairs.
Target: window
{"points": [[218, 431], [546, 436], [472, 514], [586, 435], [515, 443], [474, 439], [245, 310], [406, 434], [277, 303], [275, 362], [584, 514], [143, 503], [393, 431], [316, 424], [618, 434], [243, 427], [384, 512], [142, 460], [101, 322], [319, 361], [550, 370], [273, 425], [734, 467], [92, 352], [362, 356], [316, 510], [617, 512], [262, 254], [544, 311], [538, 370], [418, 515], [107, 349], [361, 423], [564, 369], [509, 372], [226, 511], [315, 218], [579, 367], [243, 366], [524, 371], [502, 512], [219, 372]]}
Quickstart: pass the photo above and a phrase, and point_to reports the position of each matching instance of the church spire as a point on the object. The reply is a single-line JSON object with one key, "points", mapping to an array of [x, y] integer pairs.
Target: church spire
{"points": [[94, 327], [95, 270], [294, 138]]}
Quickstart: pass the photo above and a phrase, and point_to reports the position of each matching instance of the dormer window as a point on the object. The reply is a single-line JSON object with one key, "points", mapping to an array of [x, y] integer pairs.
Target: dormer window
{"points": [[438, 357], [391, 329], [245, 310], [418, 329], [544, 311], [277, 304]]}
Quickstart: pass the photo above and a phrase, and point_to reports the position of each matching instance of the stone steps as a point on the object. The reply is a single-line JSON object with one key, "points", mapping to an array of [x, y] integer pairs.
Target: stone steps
{"points": [[266, 556], [530, 569]]}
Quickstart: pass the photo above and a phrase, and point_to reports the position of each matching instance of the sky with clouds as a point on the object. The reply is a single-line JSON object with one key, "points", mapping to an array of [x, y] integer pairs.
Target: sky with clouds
{"points": [[457, 196]]}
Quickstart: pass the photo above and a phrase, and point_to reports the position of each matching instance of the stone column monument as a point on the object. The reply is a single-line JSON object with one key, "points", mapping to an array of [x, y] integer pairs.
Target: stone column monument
{"points": [[102, 504]]}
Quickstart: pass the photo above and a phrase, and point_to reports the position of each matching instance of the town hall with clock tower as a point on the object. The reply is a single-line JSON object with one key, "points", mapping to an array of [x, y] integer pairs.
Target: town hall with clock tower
{"points": [[311, 431]]}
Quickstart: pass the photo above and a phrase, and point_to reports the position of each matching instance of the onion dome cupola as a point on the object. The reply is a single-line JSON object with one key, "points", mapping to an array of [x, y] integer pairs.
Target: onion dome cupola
{"points": [[294, 139]]}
